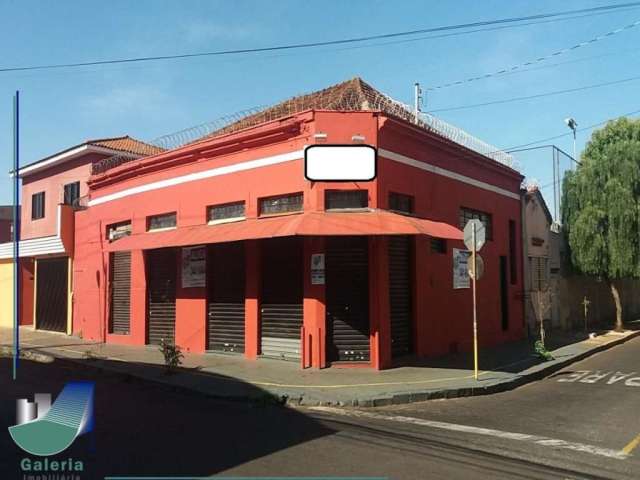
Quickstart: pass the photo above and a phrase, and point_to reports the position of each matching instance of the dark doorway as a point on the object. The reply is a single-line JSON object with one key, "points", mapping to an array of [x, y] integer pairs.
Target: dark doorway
{"points": [[504, 293], [400, 298], [347, 291], [52, 294], [281, 301], [161, 295], [226, 284]]}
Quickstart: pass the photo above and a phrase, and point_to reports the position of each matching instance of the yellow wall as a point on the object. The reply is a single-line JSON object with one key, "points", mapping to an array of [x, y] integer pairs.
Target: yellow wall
{"points": [[6, 293]]}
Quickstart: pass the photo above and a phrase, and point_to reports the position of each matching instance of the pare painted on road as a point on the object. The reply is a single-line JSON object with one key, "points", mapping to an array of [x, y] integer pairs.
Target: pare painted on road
{"points": [[606, 378]]}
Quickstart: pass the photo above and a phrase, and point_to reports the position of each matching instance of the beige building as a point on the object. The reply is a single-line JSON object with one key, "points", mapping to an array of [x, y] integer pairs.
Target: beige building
{"points": [[546, 266]]}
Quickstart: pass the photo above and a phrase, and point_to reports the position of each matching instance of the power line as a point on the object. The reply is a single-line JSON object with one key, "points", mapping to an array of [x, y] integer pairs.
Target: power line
{"points": [[324, 43], [538, 95], [539, 59], [555, 137]]}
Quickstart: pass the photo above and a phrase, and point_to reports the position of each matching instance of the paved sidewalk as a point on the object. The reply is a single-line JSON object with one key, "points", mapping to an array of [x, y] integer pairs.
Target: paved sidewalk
{"points": [[232, 377]]}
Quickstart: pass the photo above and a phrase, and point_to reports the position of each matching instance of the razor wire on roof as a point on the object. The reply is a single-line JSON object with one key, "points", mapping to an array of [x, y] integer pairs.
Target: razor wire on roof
{"points": [[450, 132], [175, 139], [353, 95]]}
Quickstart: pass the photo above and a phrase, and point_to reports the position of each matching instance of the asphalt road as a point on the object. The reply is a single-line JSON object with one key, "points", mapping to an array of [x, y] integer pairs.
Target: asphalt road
{"points": [[550, 429]]}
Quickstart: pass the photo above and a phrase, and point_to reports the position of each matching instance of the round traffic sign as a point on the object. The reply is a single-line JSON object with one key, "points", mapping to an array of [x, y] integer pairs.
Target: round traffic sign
{"points": [[479, 266]]}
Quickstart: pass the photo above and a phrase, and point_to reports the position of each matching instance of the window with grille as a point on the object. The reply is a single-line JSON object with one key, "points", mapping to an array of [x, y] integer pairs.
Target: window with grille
{"points": [[157, 222], [281, 204], [438, 245], [71, 193], [539, 275], [37, 205], [467, 214], [118, 230], [337, 199], [400, 202], [225, 211]]}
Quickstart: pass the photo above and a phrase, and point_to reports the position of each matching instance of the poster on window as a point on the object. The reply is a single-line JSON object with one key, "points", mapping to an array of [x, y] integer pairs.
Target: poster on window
{"points": [[317, 269], [461, 260], [194, 267]]}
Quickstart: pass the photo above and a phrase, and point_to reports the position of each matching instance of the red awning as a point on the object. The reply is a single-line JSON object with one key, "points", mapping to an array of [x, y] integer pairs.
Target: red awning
{"points": [[376, 222]]}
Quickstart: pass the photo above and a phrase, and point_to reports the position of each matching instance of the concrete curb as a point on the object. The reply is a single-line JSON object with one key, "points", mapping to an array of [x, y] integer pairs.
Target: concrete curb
{"points": [[289, 398], [538, 372]]}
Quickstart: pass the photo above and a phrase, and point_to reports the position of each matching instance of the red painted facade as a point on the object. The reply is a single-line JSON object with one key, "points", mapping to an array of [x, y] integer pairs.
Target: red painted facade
{"points": [[441, 315]]}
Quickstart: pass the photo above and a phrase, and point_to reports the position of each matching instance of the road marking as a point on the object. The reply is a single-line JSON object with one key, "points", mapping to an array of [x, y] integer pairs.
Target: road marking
{"points": [[523, 437], [631, 445], [591, 377]]}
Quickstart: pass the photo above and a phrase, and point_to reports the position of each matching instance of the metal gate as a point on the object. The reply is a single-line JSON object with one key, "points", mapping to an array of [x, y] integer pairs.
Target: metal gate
{"points": [[52, 294], [226, 285], [400, 298], [281, 309], [120, 308], [161, 296], [347, 271]]}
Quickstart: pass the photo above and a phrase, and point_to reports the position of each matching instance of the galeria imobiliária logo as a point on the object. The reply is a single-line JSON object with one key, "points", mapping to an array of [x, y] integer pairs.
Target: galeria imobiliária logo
{"points": [[44, 429]]}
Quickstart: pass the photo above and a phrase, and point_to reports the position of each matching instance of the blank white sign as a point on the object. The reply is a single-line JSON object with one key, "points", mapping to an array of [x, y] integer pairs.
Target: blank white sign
{"points": [[340, 163]]}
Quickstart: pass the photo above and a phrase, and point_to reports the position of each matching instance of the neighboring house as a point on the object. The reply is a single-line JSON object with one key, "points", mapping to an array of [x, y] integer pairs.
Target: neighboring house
{"points": [[6, 223], [541, 250], [52, 189], [547, 267], [217, 245], [6, 268]]}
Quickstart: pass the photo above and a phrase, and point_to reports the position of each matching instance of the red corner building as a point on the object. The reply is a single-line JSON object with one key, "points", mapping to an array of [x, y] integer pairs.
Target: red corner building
{"points": [[222, 245]]}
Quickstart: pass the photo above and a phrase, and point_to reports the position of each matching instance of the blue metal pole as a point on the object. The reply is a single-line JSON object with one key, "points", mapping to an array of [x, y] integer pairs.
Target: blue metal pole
{"points": [[16, 233]]}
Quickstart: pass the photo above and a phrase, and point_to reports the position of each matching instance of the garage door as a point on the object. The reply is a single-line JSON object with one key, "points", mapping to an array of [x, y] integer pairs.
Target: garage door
{"points": [[281, 306], [161, 295], [226, 285], [52, 295], [400, 299], [347, 290], [120, 307]]}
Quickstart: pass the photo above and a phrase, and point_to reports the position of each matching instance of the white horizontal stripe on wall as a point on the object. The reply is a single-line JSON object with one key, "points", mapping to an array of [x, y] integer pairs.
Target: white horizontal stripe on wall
{"points": [[287, 157], [396, 157], [214, 172]]}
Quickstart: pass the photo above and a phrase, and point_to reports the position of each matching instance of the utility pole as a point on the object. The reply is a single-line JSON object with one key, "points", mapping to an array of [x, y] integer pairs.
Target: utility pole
{"points": [[417, 101], [16, 233]]}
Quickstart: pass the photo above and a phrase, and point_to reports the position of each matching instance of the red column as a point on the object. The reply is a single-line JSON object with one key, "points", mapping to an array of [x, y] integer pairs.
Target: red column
{"points": [[314, 316], [191, 313], [138, 306], [252, 299], [379, 302]]}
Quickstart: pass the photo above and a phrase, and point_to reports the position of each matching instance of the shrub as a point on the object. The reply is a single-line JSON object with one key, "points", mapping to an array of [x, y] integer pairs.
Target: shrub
{"points": [[172, 355]]}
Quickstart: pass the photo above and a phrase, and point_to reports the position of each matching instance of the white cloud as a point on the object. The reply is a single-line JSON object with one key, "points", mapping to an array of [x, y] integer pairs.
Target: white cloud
{"points": [[125, 100], [202, 32]]}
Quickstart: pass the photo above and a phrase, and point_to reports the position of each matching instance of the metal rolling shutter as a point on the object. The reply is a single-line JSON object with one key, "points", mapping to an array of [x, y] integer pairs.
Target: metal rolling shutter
{"points": [[226, 297], [120, 293], [400, 299], [281, 309], [52, 295], [347, 265], [161, 305]]}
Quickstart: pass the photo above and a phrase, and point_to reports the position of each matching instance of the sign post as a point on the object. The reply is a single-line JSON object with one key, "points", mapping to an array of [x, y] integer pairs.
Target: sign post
{"points": [[474, 238], [475, 312]]}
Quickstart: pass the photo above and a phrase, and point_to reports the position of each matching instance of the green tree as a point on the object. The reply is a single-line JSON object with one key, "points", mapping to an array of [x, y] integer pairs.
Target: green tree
{"points": [[600, 210]]}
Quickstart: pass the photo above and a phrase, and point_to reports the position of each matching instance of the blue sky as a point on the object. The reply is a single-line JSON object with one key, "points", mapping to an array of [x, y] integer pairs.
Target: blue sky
{"points": [[61, 108]]}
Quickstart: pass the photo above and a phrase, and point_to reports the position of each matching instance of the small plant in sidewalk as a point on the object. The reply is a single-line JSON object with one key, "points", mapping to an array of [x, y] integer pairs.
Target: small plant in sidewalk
{"points": [[542, 301], [542, 352], [172, 355]]}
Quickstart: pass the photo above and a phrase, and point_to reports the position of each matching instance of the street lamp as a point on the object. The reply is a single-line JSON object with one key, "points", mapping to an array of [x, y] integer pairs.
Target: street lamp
{"points": [[572, 124]]}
